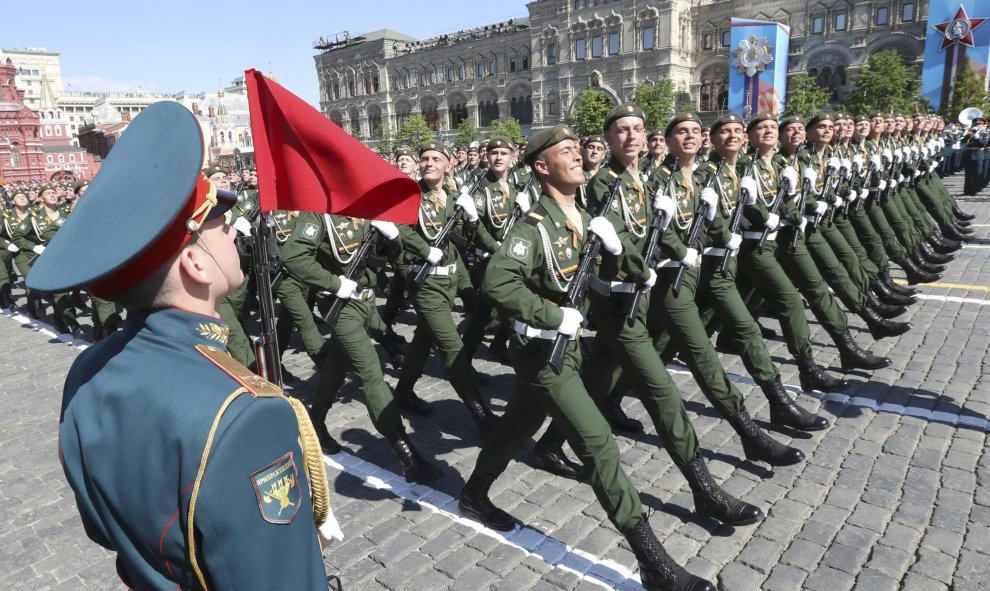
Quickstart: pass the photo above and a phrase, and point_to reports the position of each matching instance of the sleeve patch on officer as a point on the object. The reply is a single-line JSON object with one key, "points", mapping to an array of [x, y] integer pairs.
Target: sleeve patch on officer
{"points": [[310, 231], [519, 248], [277, 488]]}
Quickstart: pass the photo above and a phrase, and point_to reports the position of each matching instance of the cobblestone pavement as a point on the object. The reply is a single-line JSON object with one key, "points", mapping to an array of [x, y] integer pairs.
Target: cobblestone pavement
{"points": [[893, 496]]}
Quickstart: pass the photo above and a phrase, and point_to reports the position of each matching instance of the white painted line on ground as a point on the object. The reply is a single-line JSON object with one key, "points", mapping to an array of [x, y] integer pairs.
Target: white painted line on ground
{"points": [[941, 298], [976, 246], [46, 329]]}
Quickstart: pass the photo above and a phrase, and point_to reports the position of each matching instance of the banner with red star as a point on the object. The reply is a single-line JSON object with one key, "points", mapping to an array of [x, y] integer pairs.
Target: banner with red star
{"points": [[957, 34]]}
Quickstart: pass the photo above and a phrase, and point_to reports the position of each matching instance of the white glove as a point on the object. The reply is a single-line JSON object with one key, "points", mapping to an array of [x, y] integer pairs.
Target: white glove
{"points": [[917, 173], [242, 226], [925, 152], [38, 249], [846, 165], [13, 248], [810, 176], [690, 258], [571, 322], [863, 193], [748, 186], [603, 228], [821, 207], [387, 229], [773, 220], [347, 288], [791, 176], [435, 255], [330, 530], [522, 201], [887, 155], [881, 185], [832, 164], [897, 156], [710, 198], [857, 162], [734, 242], [875, 162], [650, 282], [839, 202], [664, 205], [914, 151], [900, 178], [466, 202], [893, 184], [803, 224]]}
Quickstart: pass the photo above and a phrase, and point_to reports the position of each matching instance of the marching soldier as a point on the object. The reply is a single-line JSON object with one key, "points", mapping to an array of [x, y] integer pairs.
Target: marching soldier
{"points": [[526, 281], [180, 458]]}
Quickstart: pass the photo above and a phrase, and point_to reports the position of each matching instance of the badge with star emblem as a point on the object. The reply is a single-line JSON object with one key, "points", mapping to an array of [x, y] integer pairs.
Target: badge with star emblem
{"points": [[310, 231], [519, 248]]}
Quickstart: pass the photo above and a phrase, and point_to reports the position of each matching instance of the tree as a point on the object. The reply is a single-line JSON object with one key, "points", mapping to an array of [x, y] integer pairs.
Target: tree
{"points": [[805, 97], [509, 128], [414, 133], [686, 105], [968, 91], [588, 115], [383, 134], [467, 132], [658, 102], [885, 84]]}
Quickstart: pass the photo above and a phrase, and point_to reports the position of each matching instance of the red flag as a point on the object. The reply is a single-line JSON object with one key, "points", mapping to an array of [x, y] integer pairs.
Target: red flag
{"points": [[307, 163]]}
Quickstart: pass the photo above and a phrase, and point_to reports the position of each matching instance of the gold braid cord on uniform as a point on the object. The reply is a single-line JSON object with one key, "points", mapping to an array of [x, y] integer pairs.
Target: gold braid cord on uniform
{"points": [[313, 459]]}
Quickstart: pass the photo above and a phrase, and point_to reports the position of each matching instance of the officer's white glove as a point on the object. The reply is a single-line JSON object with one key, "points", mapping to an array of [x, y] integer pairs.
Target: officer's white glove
{"points": [[710, 198], [571, 322], [466, 202], [839, 202], [846, 166], [832, 165], [916, 174], [773, 220], [900, 178], [690, 258], [857, 162], [863, 193], [387, 229], [347, 288], [13, 248], [881, 185], [38, 249], [887, 154], [664, 205], [242, 226], [789, 174], [810, 176], [435, 255], [650, 281], [821, 207], [875, 162], [522, 201], [330, 530], [748, 187], [734, 242], [603, 228], [803, 224]]}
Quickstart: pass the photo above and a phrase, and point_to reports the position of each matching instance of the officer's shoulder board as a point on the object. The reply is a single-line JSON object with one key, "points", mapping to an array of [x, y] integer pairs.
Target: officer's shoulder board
{"points": [[256, 385], [712, 167], [535, 215]]}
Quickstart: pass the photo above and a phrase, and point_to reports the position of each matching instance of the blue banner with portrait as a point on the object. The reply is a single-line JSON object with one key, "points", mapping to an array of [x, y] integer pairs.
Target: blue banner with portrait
{"points": [[957, 30], [758, 66]]}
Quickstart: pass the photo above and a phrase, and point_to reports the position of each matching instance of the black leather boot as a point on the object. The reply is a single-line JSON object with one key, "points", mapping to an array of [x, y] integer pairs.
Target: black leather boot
{"points": [[921, 263], [814, 377], [657, 569], [7, 298], [889, 296], [881, 327], [916, 275], [611, 409], [36, 307], [711, 501], [407, 399], [934, 257], [960, 229], [784, 412], [942, 244], [759, 446], [474, 502], [883, 310], [962, 214], [549, 456], [318, 416], [888, 281], [851, 356], [414, 467], [483, 416]]}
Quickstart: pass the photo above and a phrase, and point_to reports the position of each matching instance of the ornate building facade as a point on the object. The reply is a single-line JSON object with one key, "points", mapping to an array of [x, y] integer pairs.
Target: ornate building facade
{"points": [[534, 68]]}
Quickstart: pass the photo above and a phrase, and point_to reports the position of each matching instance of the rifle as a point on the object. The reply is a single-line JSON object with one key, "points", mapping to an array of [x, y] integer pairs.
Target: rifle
{"points": [[358, 263], [697, 226], [852, 187], [578, 288], [646, 164], [658, 225], [264, 255], [802, 199], [443, 236], [774, 209], [516, 210], [734, 224]]}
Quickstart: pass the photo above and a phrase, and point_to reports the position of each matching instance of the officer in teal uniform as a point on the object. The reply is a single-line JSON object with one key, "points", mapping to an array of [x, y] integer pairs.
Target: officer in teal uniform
{"points": [[197, 473]]}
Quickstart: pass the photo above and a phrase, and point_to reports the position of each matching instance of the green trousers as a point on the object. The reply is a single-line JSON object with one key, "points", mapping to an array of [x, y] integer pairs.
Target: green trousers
{"points": [[628, 350], [238, 344], [801, 269], [845, 254], [102, 309], [844, 226], [539, 392], [297, 310], [934, 201], [862, 228], [833, 271], [878, 219], [350, 349], [900, 221]]}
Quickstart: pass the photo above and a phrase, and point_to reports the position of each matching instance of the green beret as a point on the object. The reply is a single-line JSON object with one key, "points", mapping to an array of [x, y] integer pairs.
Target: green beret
{"points": [[624, 110], [790, 120], [45, 187], [760, 118], [725, 120], [681, 118], [593, 139], [653, 134], [403, 151], [435, 147], [212, 170], [78, 185], [500, 141], [877, 115], [840, 116], [822, 116], [861, 118], [459, 147], [546, 138]]}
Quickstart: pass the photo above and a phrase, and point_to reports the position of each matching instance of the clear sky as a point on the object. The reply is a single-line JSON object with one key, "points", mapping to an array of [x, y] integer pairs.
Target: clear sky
{"points": [[169, 46]]}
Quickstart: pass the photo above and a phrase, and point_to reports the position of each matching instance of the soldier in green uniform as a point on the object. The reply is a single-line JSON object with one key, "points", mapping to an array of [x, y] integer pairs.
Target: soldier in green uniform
{"points": [[434, 300], [106, 318], [527, 281], [320, 253], [197, 473], [18, 213]]}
